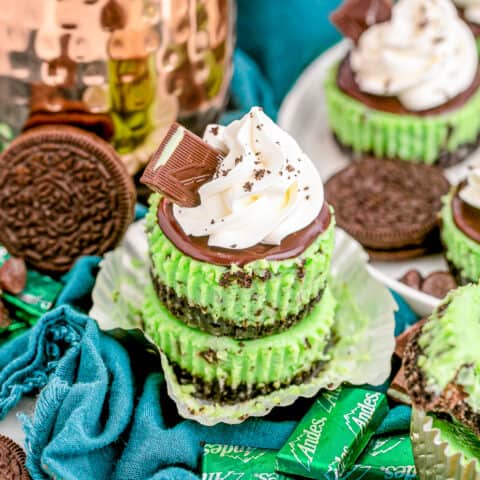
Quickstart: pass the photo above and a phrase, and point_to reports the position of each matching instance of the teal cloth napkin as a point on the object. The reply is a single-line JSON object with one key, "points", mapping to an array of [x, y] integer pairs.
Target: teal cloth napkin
{"points": [[101, 413]]}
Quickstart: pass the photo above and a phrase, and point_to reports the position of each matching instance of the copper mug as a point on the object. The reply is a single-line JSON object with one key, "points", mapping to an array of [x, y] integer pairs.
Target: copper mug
{"points": [[124, 69]]}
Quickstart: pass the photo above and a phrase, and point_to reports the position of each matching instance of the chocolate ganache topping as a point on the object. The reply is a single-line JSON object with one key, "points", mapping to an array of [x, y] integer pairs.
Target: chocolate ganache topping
{"points": [[466, 205], [198, 248], [266, 199]]}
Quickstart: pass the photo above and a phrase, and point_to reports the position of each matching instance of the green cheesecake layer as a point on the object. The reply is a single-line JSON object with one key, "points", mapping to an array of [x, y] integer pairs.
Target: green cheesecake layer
{"points": [[407, 137], [460, 439], [461, 251], [268, 360], [449, 343], [261, 295]]}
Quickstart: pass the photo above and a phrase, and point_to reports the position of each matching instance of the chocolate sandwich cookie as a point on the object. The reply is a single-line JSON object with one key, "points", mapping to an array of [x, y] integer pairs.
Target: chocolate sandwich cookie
{"points": [[390, 207], [12, 460], [64, 193]]}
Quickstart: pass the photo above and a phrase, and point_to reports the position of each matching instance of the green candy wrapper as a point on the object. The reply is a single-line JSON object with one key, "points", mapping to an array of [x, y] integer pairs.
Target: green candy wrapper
{"points": [[385, 458], [227, 462], [330, 438], [37, 298]]}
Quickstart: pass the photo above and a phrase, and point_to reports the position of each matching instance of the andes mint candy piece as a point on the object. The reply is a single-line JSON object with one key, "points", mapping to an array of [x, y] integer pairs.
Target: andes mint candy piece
{"points": [[13, 275], [182, 164], [353, 17]]}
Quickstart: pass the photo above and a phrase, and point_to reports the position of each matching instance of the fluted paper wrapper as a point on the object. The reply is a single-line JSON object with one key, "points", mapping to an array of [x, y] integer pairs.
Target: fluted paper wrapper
{"points": [[365, 326], [434, 457]]}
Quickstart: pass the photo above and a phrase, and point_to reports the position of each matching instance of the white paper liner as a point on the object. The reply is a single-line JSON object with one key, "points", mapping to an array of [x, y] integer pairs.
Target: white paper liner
{"points": [[365, 324], [435, 459]]}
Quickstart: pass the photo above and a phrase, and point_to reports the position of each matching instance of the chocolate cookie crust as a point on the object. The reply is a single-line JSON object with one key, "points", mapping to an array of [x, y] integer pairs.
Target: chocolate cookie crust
{"points": [[197, 317], [63, 193], [450, 402], [388, 205], [218, 392]]}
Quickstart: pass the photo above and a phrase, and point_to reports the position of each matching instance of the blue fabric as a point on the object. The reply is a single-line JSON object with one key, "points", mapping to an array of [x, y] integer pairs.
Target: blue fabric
{"points": [[276, 41], [103, 411]]}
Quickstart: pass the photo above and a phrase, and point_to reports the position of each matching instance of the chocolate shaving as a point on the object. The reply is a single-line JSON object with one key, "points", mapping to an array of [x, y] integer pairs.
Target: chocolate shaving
{"points": [[355, 16], [188, 164]]}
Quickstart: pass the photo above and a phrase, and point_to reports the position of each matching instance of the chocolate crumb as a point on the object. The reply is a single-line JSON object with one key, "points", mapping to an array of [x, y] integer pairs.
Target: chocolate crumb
{"points": [[210, 356], [308, 197], [290, 168], [233, 245], [214, 130], [212, 221], [238, 159], [247, 186], [259, 174]]}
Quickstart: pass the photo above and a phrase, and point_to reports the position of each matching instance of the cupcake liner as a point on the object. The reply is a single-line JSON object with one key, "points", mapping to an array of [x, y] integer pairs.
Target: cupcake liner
{"points": [[435, 459], [461, 251], [259, 295], [364, 321], [408, 137]]}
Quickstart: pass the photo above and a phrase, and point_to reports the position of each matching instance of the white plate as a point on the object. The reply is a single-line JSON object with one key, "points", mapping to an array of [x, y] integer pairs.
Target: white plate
{"points": [[304, 115]]}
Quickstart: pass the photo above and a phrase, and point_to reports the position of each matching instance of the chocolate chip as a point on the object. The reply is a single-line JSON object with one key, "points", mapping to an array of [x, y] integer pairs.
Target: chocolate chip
{"points": [[13, 275], [438, 284], [412, 279]]}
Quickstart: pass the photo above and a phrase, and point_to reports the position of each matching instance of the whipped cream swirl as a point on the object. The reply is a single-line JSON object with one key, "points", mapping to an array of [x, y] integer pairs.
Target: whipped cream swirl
{"points": [[471, 192], [425, 55], [265, 189], [471, 10]]}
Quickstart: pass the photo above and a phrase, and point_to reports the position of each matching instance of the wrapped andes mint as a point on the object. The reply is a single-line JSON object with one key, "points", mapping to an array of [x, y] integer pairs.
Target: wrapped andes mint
{"points": [[235, 462], [36, 292], [333, 434], [385, 457]]}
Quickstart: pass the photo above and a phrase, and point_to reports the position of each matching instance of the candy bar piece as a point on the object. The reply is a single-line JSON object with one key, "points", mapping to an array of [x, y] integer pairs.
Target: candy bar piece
{"points": [[36, 298], [330, 438], [398, 390], [234, 462], [353, 17], [182, 164], [385, 457]]}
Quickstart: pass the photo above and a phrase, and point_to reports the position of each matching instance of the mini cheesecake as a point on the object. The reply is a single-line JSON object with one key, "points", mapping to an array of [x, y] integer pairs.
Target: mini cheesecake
{"points": [[239, 301], [409, 88], [460, 218]]}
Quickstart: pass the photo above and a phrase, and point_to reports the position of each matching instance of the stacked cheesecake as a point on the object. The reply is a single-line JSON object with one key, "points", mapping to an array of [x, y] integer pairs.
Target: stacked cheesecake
{"points": [[239, 302]]}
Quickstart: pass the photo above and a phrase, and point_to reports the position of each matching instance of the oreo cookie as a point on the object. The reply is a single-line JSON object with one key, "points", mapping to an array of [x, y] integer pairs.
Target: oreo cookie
{"points": [[64, 193], [390, 207], [12, 460]]}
